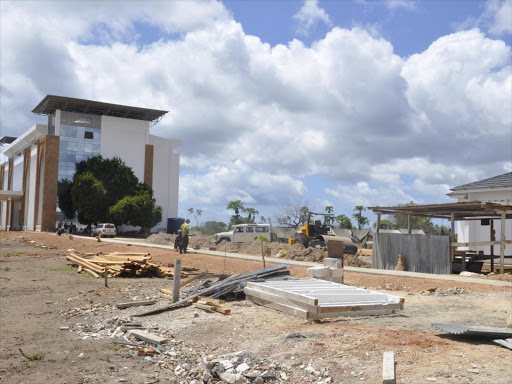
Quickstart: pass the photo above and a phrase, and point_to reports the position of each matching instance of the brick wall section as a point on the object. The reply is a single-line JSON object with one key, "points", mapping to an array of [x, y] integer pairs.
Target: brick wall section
{"points": [[26, 165], [148, 165], [51, 169]]}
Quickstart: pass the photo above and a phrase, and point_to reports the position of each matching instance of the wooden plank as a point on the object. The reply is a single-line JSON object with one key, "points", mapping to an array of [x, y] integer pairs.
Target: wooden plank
{"points": [[224, 311], [135, 304], [388, 368], [80, 261], [148, 337], [176, 281], [502, 246], [205, 307], [452, 239], [214, 301], [481, 243], [132, 253], [271, 298], [92, 273]]}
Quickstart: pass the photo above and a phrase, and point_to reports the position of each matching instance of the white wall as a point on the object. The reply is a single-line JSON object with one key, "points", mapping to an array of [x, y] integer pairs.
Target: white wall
{"points": [[126, 139], [3, 219], [472, 230], [166, 165]]}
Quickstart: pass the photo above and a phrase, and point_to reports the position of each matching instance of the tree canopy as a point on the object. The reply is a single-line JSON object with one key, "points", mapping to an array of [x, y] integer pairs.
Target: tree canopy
{"points": [[107, 190], [343, 221], [137, 210], [358, 216]]}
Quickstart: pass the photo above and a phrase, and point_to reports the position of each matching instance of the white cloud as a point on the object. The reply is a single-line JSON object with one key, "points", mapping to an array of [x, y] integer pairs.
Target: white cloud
{"points": [[501, 14], [496, 18], [362, 193], [224, 182], [255, 119], [310, 14], [404, 4]]}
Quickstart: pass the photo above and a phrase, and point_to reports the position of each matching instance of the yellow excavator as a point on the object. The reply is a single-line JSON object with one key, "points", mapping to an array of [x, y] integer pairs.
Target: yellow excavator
{"points": [[317, 234]]}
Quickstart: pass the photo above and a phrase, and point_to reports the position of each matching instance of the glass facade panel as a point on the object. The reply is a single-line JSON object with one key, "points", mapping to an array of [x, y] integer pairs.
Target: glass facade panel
{"points": [[80, 138]]}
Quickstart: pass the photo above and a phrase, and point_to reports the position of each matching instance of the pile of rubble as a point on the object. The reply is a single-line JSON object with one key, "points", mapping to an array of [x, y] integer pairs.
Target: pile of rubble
{"points": [[446, 291]]}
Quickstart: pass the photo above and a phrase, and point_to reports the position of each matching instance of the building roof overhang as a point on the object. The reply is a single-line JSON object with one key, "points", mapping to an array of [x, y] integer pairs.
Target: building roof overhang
{"points": [[28, 138], [51, 103], [461, 210]]}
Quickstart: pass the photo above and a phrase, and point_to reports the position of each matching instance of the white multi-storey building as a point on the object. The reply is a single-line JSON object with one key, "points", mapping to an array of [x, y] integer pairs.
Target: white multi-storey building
{"points": [[77, 129]]}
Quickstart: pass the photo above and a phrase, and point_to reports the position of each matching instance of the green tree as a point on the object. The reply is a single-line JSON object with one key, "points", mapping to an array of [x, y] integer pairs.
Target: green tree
{"points": [[251, 215], [89, 196], [329, 219], [385, 224], [361, 220], [213, 227], [343, 221], [65, 198], [116, 177], [197, 213], [137, 210], [303, 216], [417, 222], [236, 206]]}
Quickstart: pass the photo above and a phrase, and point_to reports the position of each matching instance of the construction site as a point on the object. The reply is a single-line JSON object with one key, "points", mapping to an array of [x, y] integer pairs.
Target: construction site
{"points": [[256, 192], [98, 310]]}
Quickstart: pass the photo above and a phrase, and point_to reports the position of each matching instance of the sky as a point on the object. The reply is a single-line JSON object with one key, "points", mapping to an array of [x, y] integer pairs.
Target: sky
{"points": [[338, 103]]}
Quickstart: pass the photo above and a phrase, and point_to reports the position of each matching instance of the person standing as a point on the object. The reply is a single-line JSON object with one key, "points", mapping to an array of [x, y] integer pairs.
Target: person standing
{"points": [[184, 233]]}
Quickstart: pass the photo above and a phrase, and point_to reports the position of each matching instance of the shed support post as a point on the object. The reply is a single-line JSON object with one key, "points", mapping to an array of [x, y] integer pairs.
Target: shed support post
{"points": [[409, 224], [493, 238], [502, 245], [378, 223], [452, 239]]}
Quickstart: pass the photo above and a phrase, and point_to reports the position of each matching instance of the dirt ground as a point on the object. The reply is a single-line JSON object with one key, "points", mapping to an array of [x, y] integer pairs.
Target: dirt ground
{"points": [[40, 293]]}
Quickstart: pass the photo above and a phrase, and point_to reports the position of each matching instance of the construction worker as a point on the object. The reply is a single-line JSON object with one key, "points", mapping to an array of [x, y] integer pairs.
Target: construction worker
{"points": [[184, 233]]}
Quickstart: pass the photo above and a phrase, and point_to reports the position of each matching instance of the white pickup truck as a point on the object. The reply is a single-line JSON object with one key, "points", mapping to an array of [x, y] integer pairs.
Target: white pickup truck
{"points": [[242, 233]]}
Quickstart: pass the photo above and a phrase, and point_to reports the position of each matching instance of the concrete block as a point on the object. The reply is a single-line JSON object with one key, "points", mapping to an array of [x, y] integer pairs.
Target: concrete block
{"points": [[338, 280], [319, 272], [332, 262], [335, 249], [336, 272]]}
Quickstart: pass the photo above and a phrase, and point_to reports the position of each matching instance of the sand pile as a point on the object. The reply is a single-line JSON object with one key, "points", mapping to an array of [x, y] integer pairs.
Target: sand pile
{"points": [[160, 238], [251, 248], [197, 239]]}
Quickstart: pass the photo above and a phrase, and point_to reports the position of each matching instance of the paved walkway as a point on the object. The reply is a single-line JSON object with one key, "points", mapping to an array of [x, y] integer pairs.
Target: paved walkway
{"points": [[307, 264]]}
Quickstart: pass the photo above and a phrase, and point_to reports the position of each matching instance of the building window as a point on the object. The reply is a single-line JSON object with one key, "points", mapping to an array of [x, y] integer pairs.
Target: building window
{"points": [[88, 135]]}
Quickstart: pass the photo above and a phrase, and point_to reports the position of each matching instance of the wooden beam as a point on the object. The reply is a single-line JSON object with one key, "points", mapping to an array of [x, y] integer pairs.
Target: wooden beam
{"points": [[502, 245], [409, 224], [378, 223], [493, 238], [480, 243], [176, 281], [135, 304]]}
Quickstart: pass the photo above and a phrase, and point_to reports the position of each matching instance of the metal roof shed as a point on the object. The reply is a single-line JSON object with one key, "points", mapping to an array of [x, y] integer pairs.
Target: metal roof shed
{"points": [[475, 210]]}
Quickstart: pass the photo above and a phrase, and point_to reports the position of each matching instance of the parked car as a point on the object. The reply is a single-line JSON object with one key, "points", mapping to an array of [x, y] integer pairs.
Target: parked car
{"points": [[104, 230], [242, 233]]}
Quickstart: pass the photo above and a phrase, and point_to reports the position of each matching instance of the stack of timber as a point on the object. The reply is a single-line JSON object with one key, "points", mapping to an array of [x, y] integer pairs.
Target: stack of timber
{"points": [[315, 299], [211, 305], [227, 286], [120, 264]]}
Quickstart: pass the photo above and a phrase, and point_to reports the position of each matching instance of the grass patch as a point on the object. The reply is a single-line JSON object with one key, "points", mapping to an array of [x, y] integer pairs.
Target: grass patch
{"points": [[33, 356], [7, 269], [36, 356], [60, 269]]}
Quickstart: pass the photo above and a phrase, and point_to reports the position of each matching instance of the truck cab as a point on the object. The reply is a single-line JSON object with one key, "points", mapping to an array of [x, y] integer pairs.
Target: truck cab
{"points": [[242, 233]]}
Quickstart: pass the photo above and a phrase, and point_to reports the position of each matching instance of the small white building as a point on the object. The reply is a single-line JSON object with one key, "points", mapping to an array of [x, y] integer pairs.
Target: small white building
{"points": [[497, 189], [77, 129]]}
